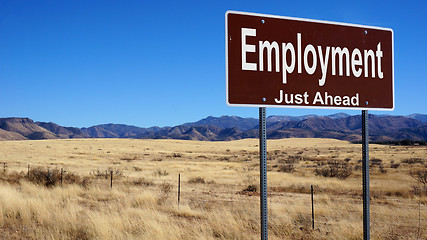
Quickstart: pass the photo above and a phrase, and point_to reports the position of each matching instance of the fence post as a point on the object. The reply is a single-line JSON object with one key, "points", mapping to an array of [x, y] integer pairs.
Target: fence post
{"points": [[111, 183], [4, 167], [61, 176], [28, 173], [419, 219], [179, 188], [312, 207]]}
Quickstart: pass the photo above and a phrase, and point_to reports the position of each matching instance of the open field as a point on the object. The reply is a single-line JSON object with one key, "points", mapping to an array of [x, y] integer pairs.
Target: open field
{"points": [[218, 183]]}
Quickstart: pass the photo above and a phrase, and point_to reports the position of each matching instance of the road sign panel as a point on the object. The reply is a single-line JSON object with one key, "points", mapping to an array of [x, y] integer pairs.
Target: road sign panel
{"points": [[274, 61]]}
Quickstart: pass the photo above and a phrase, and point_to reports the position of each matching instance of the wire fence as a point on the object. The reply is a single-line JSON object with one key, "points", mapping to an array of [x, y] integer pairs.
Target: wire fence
{"points": [[409, 214]]}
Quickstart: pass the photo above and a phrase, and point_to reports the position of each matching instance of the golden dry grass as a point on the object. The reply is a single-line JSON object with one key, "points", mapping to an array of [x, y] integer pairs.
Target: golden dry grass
{"points": [[143, 201]]}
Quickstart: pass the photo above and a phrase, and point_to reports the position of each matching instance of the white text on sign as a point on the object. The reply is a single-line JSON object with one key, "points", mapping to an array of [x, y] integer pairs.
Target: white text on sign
{"points": [[369, 63]]}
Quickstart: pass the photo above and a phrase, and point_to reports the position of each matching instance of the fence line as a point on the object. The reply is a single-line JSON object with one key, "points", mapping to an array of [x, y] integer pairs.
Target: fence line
{"points": [[8, 167]]}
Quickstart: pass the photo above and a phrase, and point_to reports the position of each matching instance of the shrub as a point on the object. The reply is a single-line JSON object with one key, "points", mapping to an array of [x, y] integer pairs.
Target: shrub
{"points": [[165, 189], [413, 161], [106, 173], [49, 177], [294, 158], [287, 168], [137, 169], [160, 173], [335, 168], [382, 170], [70, 178], [394, 165], [196, 180], [100, 173], [12, 177], [142, 182], [129, 158], [251, 188], [419, 190], [376, 161], [419, 175]]}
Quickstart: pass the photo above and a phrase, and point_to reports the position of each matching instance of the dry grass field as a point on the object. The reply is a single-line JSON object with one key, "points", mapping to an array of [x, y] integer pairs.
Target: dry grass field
{"points": [[219, 189]]}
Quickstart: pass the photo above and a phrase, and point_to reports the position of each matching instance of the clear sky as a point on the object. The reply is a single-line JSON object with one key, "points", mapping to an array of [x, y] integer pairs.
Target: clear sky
{"points": [[162, 63]]}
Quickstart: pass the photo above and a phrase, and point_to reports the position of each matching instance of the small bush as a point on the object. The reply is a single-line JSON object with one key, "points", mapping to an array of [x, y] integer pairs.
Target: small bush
{"points": [[197, 180], [49, 177], [86, 182], [287, 168], [382, 170], [294, 158], [165, 189], [413, 161], [70, 178], [375, 161], [42, 177], [137, 169], [335, 168], [419, 175], [419, 190], [100, 173], [160, 173], [251, 188], [129, 158], [12, 177], [394, 165], [143, 182], [106, 173]]}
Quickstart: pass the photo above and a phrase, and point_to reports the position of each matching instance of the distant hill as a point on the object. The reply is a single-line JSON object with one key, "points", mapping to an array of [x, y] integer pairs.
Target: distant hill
{"points": [[63, 132], [275, 118], [227, 122], [338, 126], [117, 131], [23, 128], [421, 117]]}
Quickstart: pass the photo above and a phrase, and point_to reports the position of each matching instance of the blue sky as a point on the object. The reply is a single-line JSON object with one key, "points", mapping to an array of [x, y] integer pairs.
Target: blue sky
{"points": [[162, 63]]}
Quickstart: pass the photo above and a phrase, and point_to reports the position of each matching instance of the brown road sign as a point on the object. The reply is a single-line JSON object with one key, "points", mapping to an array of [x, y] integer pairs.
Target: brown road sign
{"points": [[274, 61]]}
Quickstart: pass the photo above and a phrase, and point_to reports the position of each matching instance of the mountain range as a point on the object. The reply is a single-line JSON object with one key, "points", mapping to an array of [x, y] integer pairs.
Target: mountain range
{"points": [[382, 128]]}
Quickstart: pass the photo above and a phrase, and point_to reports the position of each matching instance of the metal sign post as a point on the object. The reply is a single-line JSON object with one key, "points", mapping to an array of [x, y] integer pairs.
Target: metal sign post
{"points": [[365, 174], [263, 172], [268, 65]]}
